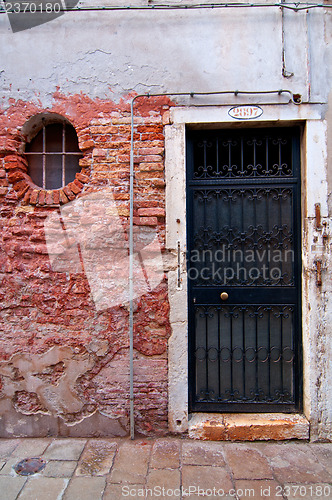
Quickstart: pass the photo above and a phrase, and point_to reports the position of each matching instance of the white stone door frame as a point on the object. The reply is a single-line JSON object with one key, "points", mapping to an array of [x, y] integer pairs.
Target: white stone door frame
{"points": [[314, 190]]}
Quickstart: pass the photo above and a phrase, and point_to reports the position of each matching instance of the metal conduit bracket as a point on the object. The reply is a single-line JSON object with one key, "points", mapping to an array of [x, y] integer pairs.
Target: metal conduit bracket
{"points": [[297, 98]]}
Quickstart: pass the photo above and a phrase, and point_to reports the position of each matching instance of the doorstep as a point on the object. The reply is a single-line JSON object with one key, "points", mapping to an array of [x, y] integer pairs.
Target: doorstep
{"points": [[248, 426]]}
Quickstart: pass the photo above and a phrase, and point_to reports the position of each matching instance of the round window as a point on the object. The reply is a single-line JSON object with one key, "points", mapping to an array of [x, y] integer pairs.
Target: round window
{"points": [[53, 155]]}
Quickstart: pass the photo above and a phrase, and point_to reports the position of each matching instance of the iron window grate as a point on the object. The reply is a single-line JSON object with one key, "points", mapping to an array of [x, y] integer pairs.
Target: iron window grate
{"points": [[56, 145]]}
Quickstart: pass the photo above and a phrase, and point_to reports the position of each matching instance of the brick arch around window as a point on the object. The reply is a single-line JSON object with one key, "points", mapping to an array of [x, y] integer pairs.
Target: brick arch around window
{"points": [[17, 165]]}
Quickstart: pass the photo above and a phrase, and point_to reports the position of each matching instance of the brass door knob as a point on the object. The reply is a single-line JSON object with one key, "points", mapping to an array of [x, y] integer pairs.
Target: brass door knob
{"points": [[224, 296]]}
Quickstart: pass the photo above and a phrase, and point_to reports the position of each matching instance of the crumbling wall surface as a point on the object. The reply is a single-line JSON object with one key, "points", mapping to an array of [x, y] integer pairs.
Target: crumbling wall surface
{"points": [[317, 293], [64, 358], [324, 424], [317, 330], [64, 365]]}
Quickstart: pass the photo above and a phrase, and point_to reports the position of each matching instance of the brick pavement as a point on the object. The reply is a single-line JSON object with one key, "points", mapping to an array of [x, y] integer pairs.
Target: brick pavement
{"points": [[169, 468]]}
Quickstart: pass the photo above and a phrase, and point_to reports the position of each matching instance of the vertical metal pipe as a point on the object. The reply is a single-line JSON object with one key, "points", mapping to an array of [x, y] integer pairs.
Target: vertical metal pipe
{"points": [[44, 157], [285, 72], [131, 274], [63, 155]]}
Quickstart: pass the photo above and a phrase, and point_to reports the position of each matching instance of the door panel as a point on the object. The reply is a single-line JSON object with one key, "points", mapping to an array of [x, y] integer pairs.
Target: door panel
{"points": [[243, 215], [248, 230]]}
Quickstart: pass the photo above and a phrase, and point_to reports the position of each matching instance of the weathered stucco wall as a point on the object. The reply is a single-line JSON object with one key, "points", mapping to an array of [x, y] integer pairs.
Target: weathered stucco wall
{"points": [[61, 356], [108, 54], [64, 363], [324, 424]]}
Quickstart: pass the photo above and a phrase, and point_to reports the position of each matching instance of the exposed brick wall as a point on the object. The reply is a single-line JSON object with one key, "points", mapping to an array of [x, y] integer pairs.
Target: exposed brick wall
{"points": [[81, 353]]}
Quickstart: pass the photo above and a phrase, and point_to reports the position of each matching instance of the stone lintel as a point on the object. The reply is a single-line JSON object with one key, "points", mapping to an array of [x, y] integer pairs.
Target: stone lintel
{"points": [[248, 426]]}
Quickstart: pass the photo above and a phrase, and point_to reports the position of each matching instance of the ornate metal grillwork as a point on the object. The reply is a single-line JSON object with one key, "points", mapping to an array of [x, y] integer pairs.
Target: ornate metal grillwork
{"points": [[242, 155], [243, 239], [245, 354], [239, 228]]}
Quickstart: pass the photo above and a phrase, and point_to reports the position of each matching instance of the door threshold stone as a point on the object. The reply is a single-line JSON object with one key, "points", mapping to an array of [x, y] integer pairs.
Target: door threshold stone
{"points": [[248, 426]]}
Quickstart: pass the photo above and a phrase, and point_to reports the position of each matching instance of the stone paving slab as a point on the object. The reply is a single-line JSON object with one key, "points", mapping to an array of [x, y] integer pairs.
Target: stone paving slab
{"points": [[247, 463], [165, 454], [85, 488], [65, 449], [163, 482], [300, 476], [323, 453], [7, 469], [97, 458], [30, 448], [202, 453], [114, 469], [131, 463], [60, 468], [205, 478], [11, 486], [43, 488], [7, 446], [295, 454]]}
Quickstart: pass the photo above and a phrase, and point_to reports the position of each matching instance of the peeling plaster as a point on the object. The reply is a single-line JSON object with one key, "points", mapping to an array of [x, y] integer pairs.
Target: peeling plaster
{"points": [[28, 374], [107, 54]]}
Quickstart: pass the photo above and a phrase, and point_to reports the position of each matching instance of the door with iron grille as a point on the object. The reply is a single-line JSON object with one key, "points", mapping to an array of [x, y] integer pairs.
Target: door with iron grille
{"points": [[244, 269]]}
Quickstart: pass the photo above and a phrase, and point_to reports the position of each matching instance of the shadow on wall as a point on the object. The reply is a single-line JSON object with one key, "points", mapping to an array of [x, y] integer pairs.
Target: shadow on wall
{"points": [[26, 15]]}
